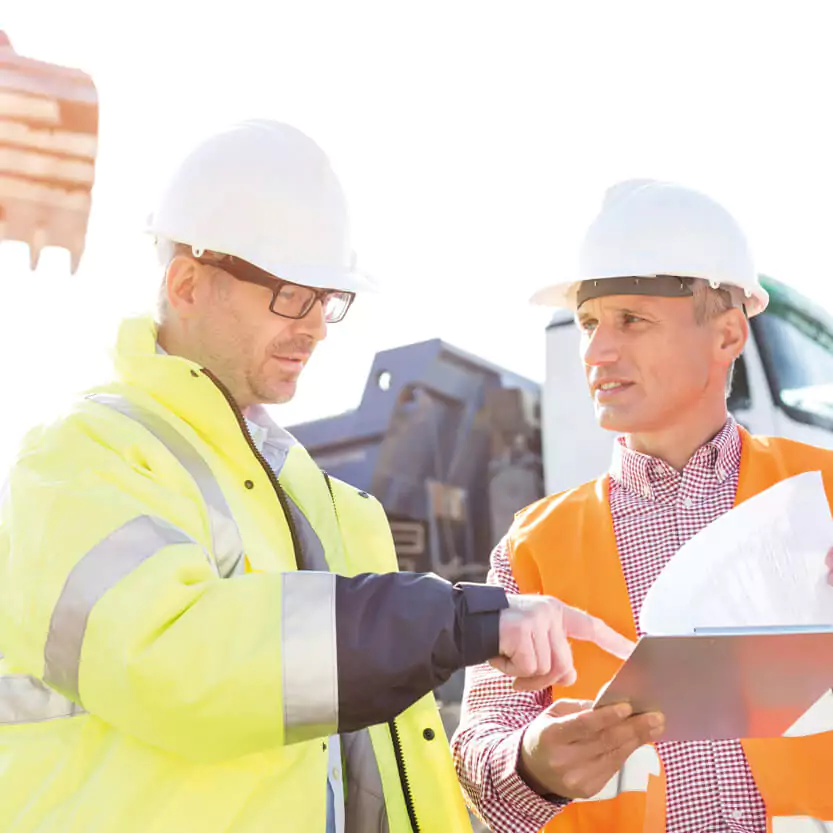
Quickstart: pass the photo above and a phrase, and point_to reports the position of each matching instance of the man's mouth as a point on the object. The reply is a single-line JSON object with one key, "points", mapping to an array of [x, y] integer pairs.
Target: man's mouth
{"points": [[294, 360], [610, 387]]}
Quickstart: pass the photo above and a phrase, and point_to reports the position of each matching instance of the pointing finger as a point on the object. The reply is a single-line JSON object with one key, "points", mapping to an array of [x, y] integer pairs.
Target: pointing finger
{"points": [[581, 625], [562, 654]]}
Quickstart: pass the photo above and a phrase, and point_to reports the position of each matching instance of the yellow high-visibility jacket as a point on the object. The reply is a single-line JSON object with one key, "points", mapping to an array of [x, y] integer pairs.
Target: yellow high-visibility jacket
{"points": [[166, 666]]}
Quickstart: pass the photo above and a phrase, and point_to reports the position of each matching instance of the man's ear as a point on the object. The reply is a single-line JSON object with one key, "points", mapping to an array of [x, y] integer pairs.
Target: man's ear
{"points": [[732, 331], [183, 280]]}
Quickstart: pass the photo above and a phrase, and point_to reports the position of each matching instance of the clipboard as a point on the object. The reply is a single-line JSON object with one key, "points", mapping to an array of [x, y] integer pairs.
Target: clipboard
{"points": [[722, 684]]}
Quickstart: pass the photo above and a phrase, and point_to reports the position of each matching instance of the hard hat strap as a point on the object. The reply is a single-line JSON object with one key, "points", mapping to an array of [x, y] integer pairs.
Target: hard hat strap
{"points": [[663, 286]]}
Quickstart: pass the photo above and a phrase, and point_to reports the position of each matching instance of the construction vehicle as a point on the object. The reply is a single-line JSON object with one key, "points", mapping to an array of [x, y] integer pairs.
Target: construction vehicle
{"points": [[453, 446], [48, 145]]}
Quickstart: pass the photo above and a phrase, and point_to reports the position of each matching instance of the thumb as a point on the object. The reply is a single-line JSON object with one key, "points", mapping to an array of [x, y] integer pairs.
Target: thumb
{"points": [[566, 706]]}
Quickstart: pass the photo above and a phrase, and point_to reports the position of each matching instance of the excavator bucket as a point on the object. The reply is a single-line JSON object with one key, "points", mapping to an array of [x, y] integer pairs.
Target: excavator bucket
{"points": [[48, 142]]}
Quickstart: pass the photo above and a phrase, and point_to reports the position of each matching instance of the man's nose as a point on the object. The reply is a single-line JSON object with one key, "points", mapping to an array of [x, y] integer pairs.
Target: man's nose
{"points": [[600, 347], [314, 324]]}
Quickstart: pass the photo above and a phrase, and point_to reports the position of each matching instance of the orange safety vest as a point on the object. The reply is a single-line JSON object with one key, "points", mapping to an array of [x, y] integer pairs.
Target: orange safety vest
{"points": [[565, 546]]}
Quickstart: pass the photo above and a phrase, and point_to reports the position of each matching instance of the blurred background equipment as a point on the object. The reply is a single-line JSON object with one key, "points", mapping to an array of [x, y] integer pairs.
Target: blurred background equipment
{"points": [[451, 446], [48, 143]]}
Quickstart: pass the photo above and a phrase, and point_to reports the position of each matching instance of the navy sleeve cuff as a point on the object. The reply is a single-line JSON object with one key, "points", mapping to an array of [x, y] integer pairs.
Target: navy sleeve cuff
{"points": [[479, 607]]}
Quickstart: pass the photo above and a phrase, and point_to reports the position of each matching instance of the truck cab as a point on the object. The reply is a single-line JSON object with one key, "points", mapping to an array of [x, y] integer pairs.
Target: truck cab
{"points": [[783, 386]]}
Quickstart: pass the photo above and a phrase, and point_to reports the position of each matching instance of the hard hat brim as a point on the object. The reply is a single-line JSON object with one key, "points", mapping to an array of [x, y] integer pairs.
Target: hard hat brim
{"points": [[561, 295], [564, 296], [319, 277]]}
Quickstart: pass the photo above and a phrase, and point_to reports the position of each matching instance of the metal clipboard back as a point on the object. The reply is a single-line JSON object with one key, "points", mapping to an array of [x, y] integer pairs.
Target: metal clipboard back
{"points": [[719, 684]]}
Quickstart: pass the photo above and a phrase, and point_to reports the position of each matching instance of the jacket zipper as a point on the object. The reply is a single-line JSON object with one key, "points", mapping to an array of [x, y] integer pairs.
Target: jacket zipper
{"points": [[394, 729], [279, 490], [403, 775], [330, 489]]}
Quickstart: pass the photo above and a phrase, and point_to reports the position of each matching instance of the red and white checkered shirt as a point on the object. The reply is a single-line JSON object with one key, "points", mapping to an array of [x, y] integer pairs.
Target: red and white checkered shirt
{"points": [[656, 509]]}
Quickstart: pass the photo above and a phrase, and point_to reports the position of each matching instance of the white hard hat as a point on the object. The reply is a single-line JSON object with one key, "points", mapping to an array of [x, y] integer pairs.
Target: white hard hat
{"points": [[649, 229], [263, 192]]}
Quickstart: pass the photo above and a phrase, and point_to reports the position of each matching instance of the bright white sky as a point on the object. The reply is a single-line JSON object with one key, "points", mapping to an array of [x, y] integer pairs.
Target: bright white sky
{"points": [[474, 139]]}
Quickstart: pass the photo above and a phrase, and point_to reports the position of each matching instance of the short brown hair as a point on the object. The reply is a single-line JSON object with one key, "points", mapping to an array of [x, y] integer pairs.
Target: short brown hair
{"points": [[709, 303]]}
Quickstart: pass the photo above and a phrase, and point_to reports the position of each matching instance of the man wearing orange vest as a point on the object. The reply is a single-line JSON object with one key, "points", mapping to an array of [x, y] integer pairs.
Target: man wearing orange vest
{"points": [[664, 288]]}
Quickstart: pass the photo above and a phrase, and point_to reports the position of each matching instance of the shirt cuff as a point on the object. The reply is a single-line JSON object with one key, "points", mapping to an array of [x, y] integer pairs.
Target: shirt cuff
{"points": [[479, 620], [515, 791]]}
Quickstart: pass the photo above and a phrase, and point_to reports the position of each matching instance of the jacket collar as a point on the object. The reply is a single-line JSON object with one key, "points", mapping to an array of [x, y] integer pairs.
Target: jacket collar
{"points": [[179, 385]]}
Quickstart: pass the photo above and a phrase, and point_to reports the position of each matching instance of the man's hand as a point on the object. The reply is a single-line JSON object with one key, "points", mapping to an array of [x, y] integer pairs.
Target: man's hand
{"points": [[533, 641], [829, 561], [571, 751]]}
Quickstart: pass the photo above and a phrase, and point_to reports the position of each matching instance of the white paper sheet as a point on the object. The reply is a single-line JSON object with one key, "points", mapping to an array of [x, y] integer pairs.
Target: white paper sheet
{"points": [[761, 564]]}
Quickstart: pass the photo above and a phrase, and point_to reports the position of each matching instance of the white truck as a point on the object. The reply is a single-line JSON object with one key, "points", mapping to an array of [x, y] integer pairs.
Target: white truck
{"points": [[783, 386]]}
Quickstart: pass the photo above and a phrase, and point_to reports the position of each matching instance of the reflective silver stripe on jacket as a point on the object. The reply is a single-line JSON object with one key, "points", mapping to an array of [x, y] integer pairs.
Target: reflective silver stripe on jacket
{"points": [[310, 691], [310, 667], [25, 699], [312, 550], [225, 536], [365, 806], [104, 566]]}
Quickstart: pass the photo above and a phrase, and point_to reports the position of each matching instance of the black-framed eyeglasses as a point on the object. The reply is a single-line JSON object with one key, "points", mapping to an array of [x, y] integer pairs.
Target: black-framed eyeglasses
{"points": [[289, 300]]}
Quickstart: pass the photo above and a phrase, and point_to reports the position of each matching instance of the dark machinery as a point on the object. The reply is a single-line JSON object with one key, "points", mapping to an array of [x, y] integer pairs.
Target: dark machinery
{"points": [[450, 445]]}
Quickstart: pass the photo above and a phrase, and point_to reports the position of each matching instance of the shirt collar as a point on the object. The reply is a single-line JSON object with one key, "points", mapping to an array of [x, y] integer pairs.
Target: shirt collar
{"points": [[640, 473], [265, 431], [258, 433]]}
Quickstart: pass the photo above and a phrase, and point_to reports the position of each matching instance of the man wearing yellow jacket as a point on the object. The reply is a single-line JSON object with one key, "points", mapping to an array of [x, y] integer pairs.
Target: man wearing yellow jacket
{"points": [[662, 295], [200, 630]]}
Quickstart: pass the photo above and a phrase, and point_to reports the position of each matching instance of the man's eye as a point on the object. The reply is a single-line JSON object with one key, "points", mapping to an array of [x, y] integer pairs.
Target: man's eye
{"points": [[587, 325], [632, 319]]}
